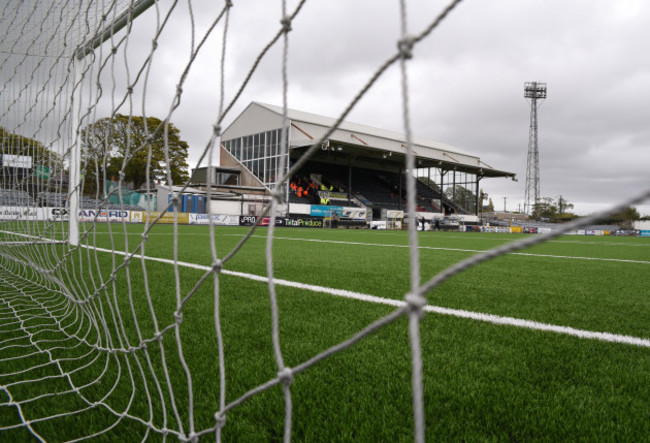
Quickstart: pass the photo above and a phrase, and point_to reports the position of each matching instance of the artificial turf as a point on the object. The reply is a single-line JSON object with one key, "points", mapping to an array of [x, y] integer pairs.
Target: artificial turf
{"points": [[482, 381]]}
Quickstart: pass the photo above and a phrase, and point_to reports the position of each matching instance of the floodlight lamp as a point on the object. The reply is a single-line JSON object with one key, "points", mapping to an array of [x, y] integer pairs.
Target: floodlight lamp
{"points": [[534, 90]]}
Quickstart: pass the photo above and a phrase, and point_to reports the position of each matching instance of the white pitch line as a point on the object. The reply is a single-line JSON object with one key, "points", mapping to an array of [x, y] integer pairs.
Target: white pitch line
{"points": [[388, 245], [460, 313]]}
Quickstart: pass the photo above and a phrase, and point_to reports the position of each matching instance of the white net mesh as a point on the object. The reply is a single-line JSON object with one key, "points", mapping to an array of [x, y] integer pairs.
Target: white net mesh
{"points": [[96, 335]]}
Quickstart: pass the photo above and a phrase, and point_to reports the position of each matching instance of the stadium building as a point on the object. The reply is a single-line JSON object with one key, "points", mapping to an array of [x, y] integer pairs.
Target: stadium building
{"points": [[358, 171]]}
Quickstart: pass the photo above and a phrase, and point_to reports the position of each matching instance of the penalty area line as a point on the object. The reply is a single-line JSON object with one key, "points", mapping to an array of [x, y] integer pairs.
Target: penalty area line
{"points": [[459, 313]]}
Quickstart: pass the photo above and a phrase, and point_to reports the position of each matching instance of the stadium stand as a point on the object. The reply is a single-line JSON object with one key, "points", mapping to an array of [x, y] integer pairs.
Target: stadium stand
{"points": [[372, 188], [13, 197], [51, 199]]}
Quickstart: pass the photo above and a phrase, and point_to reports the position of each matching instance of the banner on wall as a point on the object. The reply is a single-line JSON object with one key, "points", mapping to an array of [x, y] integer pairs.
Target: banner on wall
{"points": [[165, 217], [108, 215], [324, 211], [499, 229], [22, 213], [250, 220], [291, 222], [303, 222], [217, 220], [58, 214]]}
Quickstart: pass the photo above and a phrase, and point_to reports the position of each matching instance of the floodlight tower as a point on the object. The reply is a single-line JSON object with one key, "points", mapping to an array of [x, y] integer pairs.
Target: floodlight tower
{"points": [[533, 91]]}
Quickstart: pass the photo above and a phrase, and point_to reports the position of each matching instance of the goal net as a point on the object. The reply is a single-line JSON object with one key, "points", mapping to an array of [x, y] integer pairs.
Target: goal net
{"points": [[99, 333]]}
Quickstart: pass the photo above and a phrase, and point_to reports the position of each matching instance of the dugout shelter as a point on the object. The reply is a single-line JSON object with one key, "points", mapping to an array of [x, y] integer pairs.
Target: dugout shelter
{"points": [[357, 166]]}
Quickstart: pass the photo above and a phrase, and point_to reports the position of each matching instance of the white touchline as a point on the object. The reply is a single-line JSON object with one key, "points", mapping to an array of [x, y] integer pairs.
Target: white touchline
{"points": [[460, 313], [433, 248]]}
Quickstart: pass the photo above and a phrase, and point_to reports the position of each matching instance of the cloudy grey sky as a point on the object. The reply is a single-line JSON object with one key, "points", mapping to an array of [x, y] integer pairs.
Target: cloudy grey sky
{"points": [[466, 81]]}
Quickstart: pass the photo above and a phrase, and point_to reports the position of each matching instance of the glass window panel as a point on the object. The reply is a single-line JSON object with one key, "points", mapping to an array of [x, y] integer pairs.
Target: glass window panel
{"points": [[264, 171], [256, 146], [273, 144], [238, 149]]}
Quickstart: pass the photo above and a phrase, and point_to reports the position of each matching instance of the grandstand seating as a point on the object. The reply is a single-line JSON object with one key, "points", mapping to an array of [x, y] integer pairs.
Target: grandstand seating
{"points": [[374, 189], [51, 199], [14, 197]]}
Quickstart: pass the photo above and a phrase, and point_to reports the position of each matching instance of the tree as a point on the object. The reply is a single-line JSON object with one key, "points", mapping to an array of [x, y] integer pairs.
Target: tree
{"points": [[547, 208], [624, 217], [124, 143], [461, 197]]}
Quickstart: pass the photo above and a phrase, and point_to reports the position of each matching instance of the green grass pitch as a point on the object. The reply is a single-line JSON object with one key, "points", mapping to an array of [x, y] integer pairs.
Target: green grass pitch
{"points": [[482, 381]]}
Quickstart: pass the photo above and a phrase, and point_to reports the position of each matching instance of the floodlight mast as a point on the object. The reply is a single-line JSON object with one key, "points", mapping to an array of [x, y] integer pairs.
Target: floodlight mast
{"points": [[533, 91]]}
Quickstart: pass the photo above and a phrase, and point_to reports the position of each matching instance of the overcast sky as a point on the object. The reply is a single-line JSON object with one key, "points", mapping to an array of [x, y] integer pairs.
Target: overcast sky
{"points": [[466, 82]]}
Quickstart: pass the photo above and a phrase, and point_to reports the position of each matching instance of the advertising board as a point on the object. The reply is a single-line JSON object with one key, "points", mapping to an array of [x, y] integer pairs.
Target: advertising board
{"points": [[291, 222], [165, 217], [217, 220], [17, 161], [104, 215], [323, 210], [500, 229], [303, 222], [250, 220], [58, 214], [22, 213]]}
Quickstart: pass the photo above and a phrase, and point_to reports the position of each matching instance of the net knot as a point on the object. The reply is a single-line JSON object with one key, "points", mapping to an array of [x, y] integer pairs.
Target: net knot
{"points": [[278, 196], [405, 46], [415, 302], [286, 24], [220, 419], [286, 376], [114, 50], [145, 237], [217, 266], [158, 336], [122, 175], [149, 139], [130, 89], [178, 316], [154, 45], [228, 3], [179, 90], [216, 129]]}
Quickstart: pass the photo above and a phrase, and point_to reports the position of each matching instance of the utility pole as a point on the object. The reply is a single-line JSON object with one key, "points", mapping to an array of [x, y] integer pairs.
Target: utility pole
{"points": [[533, 91], [504, 204]]}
